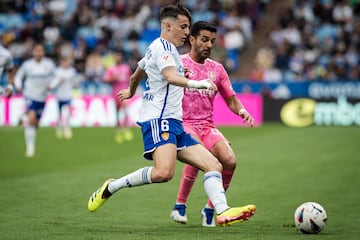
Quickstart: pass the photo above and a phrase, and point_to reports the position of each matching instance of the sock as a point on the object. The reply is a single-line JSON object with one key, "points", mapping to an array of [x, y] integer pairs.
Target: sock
{"points": [[65, 116], [30, 136], [24, 120], [214, 189], [226, 177], [121, 117], [188, 178], [138, 178]]}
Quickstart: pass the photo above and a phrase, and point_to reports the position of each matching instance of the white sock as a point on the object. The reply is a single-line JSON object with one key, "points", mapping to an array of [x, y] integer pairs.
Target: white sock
{"points": [[30, 136], [65, 115], [138, 178], [215, 190], [121, 117]]}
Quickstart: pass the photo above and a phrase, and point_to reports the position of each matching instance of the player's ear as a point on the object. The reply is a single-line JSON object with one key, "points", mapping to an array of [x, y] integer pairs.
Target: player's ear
{"points": [[191, 39], [167, 26]]}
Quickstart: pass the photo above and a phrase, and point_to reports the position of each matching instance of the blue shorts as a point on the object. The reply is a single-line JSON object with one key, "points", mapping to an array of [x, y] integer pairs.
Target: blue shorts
{"points": [[63, 103], [36, 106], [158, 132]]}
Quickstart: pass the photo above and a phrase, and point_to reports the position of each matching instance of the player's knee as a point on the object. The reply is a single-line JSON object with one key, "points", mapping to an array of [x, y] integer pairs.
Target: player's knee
{"points": [[165, 175], [217, 166], [229, 163], [33, 122]]}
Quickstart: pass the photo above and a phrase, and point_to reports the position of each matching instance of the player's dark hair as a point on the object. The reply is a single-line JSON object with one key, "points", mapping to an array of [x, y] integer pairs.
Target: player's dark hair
{"points": [[173, 11], [38, 43], [201, 25]]}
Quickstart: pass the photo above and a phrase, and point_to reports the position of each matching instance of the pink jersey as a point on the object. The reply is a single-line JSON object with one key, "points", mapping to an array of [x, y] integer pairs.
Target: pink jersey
{"points": [[122, 75], [198, 104]]}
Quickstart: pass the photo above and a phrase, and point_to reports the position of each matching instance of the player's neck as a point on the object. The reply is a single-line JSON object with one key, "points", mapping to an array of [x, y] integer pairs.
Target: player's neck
{"points": [[196, 59], [167, 38]]}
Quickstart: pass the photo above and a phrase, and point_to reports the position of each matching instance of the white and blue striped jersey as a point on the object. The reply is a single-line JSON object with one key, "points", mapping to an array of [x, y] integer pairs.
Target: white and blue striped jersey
{"points": [[6, 60], [161, 100], [63, 82], [36, 77]]}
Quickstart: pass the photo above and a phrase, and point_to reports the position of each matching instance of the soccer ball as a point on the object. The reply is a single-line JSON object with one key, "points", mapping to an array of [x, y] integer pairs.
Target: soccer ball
{"points": [[310, 217]]}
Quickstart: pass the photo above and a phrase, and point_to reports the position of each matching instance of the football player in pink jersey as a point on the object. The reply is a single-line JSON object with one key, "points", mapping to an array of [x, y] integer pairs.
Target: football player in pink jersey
{"points": [[198, 116], [118, 77]]}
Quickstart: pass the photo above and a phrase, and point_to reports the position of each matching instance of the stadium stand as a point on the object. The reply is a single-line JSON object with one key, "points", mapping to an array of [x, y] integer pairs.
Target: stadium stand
{"points": [[309, 40]]}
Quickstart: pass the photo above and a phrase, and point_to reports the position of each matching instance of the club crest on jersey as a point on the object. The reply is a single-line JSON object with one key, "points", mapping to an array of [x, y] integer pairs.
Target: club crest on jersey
{"points": [[165, 135], [165, 57]]}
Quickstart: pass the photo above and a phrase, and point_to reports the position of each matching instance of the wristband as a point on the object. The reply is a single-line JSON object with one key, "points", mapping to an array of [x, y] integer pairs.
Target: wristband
{"points": [[242, 111], [9, 86], [198, 84]]}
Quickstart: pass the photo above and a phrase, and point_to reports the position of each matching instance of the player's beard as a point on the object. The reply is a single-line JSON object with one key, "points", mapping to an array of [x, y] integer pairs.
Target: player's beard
{"points": [[202, 54], [206, 53]]}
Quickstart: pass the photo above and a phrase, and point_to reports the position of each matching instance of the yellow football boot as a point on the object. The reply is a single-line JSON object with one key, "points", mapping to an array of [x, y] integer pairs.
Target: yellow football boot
{"points": [[235, 214], [97, 199]]}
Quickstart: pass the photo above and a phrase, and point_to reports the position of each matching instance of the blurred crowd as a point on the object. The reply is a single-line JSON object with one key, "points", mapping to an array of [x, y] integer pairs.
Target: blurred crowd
{"points": [[312, 40], [89, 31]]}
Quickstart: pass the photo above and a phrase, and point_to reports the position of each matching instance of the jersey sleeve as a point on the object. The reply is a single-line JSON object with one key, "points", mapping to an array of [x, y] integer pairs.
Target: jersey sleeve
{"points": [[52, 69], [141, 63], [55, 81], [165, 59], [9, 63], [19, 76], [225, 87], [108, 74]]}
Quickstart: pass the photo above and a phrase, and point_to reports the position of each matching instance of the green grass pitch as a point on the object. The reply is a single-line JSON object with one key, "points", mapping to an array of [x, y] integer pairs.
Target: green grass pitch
{"points": [[278, 169]]}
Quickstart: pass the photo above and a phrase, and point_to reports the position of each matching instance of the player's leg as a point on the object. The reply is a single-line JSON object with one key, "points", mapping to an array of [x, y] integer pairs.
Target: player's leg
{"points": [[30, 133], [219, 146], [224, 153], [164, 166], [162, 150], [189, 174], [65, 115], [164, 158], [123, 132], [59, 127], [119, 122], [34, 112], [199, 157], [128, 134]]}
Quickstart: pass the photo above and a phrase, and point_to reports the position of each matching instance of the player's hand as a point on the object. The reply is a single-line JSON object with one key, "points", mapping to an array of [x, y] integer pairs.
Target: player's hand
{"points": [[187, 73], [247, 118], [124, 94], [213, 86], [19, 90], [9, 90]]}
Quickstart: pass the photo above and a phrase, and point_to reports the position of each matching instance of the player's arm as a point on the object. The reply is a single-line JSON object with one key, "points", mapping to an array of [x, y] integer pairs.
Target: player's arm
{"points": [[18, 78], [135, 79], [10, 86], [171, 75], [55, 81], [53, 76], [235, 105], [109, 77]]}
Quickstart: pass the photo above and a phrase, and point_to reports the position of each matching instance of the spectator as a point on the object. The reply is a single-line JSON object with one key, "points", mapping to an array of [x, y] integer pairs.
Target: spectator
{"points": [[94, 71], [265, 67], [342, 13]]}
